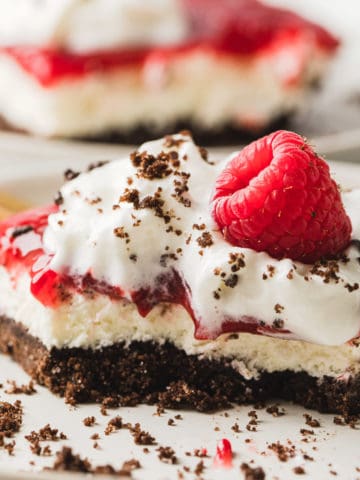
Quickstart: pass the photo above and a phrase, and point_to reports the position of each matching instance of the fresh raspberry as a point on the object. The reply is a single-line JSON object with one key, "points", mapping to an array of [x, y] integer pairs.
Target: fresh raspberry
{"points": [[223, 457], [277, 196]]}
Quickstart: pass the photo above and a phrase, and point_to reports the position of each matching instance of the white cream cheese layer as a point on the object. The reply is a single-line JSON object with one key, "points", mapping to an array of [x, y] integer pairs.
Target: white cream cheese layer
{"points": [[198, 87], [100, 322], [91, 25], [82, 239]]}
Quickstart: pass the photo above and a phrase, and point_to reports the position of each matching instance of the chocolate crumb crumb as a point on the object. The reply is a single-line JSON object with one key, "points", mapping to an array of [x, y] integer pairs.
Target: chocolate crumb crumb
{"points": [[278, 308], [200, 467], [89, 421], [167, 455], [278, 323], [97, 164], [10, 418], [13, 388], [236, 428], [252, 473], [159, 410], [153, 167], [351, 288], [103, 410], [130, 465], [299, 470], [46, 433], [205, 240], [171, 422], [231, 281], [312, 422], [66, 460], [59, 199], [200, 453], [308, 457], [113, 425], [271, 270], [70, 174], [275, 411], [283, 452], [141, 437]]}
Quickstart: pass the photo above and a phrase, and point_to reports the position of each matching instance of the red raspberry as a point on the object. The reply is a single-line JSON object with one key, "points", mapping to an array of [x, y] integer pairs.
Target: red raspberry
{"points": [[277, 196]]}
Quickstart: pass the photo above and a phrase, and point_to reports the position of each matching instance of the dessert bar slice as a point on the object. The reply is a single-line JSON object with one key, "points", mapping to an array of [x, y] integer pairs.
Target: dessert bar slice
{"points": [[168, 276], [133, 70]]}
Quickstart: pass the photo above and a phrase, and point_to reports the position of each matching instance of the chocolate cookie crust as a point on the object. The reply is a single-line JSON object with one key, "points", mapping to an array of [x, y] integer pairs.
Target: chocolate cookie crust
{"points": [[146, 372], [225, 135]]}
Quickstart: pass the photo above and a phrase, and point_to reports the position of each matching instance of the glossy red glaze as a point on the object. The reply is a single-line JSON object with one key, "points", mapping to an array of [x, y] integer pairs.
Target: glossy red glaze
{"points": [[21, 249], [231, 27], [224, 455]]}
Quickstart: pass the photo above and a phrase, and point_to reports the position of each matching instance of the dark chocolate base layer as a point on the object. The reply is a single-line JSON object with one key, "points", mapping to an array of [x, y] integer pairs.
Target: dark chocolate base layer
{"points": [[146, 372], [226, 135]]}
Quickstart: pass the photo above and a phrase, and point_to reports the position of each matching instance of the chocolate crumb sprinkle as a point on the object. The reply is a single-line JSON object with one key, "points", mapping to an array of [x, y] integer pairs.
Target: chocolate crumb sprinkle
{"points": [[98, 164], [299, 470], [278, 308], [13, 388], [113, 425], [167, 455], [205, 240], [231, 281], [10, 419], [278, 324], [252, 473], [151, 167], [275, 411], [89, 421], [59, 199], [312, 422], [70, 174]]}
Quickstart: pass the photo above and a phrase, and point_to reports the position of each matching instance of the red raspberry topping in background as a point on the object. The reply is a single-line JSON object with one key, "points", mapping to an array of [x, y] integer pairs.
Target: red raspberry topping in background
{"points": [[244, 26], [277, 196]]}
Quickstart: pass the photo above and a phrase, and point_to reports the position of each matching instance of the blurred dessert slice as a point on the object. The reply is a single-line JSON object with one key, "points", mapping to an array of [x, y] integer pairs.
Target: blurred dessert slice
{"points": [[131, 69]]}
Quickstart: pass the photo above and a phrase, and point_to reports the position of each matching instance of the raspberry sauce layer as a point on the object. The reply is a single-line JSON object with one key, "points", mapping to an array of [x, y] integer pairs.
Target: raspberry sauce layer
{"points": [[22, 250], [243, 29]]}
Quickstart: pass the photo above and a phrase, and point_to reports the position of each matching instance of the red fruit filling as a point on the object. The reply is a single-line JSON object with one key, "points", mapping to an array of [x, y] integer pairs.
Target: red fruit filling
{"points": [[224, 455], [242, 27], [277, 196], [21, 249]]}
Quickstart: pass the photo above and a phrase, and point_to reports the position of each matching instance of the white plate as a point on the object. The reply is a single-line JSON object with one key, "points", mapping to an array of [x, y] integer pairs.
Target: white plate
{"points": [[332, 447]]}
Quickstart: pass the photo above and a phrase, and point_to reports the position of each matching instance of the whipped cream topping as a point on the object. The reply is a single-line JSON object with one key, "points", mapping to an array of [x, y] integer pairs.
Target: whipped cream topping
{"points": [[132, 224], [92, 25]]}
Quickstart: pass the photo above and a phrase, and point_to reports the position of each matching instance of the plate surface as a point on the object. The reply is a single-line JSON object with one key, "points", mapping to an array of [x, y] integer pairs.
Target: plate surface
{"points": [[332, 447]]}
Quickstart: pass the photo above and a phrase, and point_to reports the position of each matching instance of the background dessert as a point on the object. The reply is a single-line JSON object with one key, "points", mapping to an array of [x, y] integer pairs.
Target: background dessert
{"points": [[223, 70]]}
